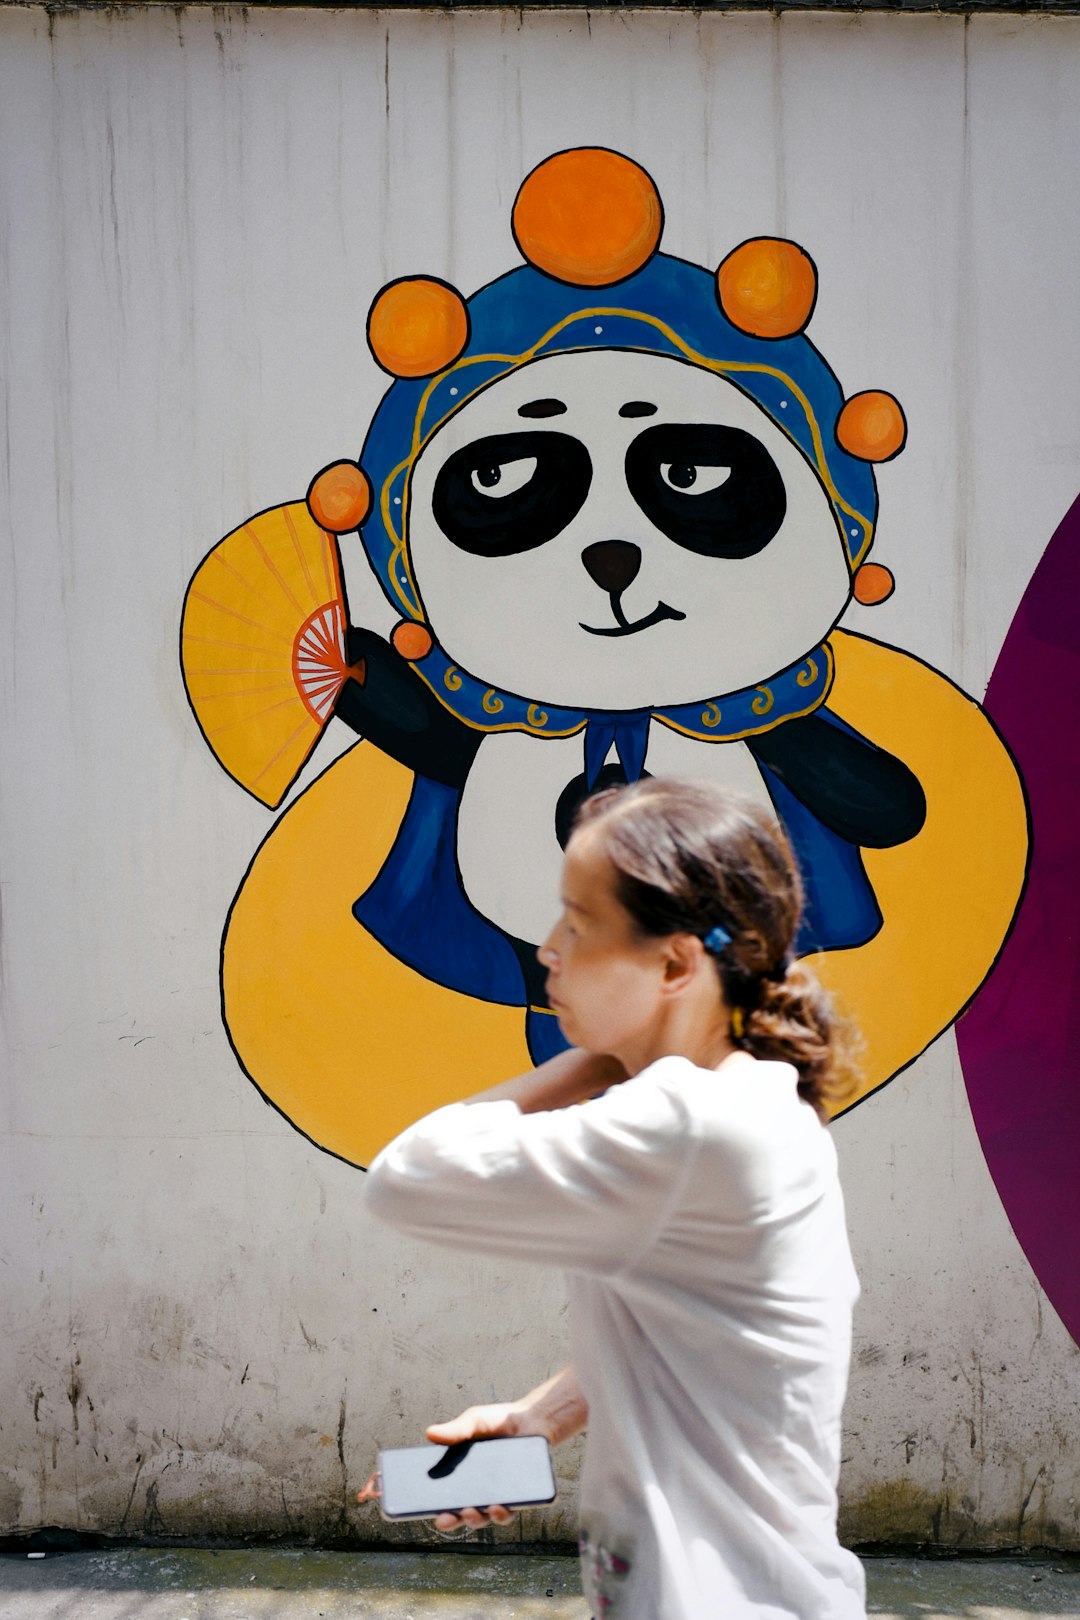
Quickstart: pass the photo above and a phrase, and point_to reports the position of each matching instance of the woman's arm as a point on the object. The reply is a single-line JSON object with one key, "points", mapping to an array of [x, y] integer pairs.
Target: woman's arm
{"points": [[569, 1078], [577, 1187]]}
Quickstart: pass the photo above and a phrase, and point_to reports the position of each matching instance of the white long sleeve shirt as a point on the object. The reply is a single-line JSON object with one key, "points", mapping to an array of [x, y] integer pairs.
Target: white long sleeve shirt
{"points": [[699, 1217]]}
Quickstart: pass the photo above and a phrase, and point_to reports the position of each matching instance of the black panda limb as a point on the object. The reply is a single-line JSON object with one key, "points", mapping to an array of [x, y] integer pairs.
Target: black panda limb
{"points": [[859, 791], [391, 706]]}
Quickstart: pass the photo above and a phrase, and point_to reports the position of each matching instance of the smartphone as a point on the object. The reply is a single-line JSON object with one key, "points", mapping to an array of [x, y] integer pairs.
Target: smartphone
{"points": [[420, 1481]]}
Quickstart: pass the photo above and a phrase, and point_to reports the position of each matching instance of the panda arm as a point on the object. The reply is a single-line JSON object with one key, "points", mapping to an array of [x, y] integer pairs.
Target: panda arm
{"points": [[386, 702], [858, 791]]}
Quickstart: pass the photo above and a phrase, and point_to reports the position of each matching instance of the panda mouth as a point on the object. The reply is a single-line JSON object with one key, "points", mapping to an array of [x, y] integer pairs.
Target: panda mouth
{"points": [[624, 626]]}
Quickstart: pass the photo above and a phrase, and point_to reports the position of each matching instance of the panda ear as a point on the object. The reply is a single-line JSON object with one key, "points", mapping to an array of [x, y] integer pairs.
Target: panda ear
{"points": [[874, 583], [411, 640], [872, 426], [417, 327], [767, 287], [339, 497]]}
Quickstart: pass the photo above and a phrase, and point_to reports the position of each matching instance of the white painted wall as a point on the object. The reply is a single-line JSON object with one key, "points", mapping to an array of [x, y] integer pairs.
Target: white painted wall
{"points": [[201, 1332]]}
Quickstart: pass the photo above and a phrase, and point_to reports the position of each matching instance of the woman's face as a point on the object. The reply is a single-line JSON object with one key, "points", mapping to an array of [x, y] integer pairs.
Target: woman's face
{"points": [[604, 977]]}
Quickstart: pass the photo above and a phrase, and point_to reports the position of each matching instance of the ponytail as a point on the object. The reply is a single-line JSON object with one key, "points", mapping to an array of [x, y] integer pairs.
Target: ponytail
{"points": [[792, 1020]]}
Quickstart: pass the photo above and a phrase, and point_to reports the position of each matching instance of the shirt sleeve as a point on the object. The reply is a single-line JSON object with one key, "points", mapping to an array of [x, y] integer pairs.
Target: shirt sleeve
{"points": [[583, 1188]]}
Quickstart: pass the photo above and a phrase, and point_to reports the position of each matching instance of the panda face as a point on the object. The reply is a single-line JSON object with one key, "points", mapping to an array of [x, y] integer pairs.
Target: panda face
{"points": [[617, 530]]}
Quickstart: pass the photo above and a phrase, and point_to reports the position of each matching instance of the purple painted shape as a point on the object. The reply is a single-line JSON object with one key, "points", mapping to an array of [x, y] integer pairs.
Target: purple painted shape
{"points": [[1020, 1040]]}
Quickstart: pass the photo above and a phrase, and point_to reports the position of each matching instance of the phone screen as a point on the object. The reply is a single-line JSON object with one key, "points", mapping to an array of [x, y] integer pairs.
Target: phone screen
{"points": [[420, 1481]]}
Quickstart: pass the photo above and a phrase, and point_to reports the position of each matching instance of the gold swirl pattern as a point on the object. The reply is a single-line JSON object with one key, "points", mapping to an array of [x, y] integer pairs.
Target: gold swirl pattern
{"points": [[491, 703], [807, 675], [710, 716], [452, 680], [764, 701], [536, 716]]}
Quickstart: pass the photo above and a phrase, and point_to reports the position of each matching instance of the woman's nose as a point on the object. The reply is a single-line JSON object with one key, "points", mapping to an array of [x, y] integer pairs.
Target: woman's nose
{"points": [[547, 955]]}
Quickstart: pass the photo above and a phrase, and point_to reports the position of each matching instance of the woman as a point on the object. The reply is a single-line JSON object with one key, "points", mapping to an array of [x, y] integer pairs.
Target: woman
{"points": [[695, 1205]]}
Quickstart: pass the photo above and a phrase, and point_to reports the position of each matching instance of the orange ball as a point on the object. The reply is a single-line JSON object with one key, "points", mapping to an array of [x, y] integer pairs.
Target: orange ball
{"points": [[871, 426], [411, 641], [767, 287], [873, 583], [417, 326], [340, 497], [588, 217]]}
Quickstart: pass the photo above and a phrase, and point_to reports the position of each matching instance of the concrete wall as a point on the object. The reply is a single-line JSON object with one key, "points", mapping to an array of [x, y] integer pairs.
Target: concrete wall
{"points": [[203, 1335]]}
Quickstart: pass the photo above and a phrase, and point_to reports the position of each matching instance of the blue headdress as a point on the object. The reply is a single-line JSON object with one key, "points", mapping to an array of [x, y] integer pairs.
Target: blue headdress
{"points": [[665, 307]]}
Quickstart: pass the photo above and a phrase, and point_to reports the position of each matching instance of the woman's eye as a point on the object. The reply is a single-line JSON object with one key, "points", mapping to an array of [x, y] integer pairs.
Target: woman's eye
{"points": [[503, 478], [688, 478]]}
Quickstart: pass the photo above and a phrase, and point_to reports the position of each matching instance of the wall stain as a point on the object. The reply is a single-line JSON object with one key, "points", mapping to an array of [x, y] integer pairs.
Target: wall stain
{"points": [[900, 1513], [153, 1524], [139, 1460], [342, 1411], [74, 1390], [1025, 1505], [309, 1339]]}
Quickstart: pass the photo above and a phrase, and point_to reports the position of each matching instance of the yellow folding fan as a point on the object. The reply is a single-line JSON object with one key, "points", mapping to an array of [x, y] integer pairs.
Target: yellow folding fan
{"points": [[262, 645]]}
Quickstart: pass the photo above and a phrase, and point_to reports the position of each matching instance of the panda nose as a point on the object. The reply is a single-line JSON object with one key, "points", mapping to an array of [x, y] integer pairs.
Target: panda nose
{"points": [[613, 564]]}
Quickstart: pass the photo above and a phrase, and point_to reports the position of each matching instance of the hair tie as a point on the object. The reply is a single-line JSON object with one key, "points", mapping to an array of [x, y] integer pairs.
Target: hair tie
{"points": [[715, 940]]}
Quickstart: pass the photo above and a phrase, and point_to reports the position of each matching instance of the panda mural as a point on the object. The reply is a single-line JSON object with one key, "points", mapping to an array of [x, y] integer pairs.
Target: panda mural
{"points": [[620, 504]]}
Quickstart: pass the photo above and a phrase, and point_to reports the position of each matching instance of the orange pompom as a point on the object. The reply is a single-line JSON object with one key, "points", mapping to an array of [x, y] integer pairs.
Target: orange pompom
{"points": [[871, 426], [417, 326], [873, 584], [767, 287], [589, 217], [411, 641], [339, 498]]}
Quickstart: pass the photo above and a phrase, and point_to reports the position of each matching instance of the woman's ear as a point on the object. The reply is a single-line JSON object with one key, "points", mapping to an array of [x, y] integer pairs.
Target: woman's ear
{"points": [[684, 958]]}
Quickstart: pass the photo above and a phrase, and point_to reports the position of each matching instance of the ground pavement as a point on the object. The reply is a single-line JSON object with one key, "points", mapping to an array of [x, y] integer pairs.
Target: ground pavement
{"points": [[138, 1583]]}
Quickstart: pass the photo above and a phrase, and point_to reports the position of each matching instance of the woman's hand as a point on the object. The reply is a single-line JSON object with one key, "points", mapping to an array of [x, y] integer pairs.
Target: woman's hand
{"points": [[502, 1418], [556, 1409], [475, 1423], [560, 1082]]}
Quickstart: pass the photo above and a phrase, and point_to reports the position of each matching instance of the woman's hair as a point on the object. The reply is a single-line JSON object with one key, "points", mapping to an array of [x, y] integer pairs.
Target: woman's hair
{"points": [[690, 857]]}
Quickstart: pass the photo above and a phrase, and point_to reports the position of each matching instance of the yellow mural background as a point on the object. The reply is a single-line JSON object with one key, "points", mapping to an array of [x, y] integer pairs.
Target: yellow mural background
{"points": [[948, 896], [349, 1043]]}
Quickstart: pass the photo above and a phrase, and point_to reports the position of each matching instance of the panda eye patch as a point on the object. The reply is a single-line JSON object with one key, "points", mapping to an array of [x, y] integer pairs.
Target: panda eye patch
{"points": [[511, 492], [713, 489]]}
